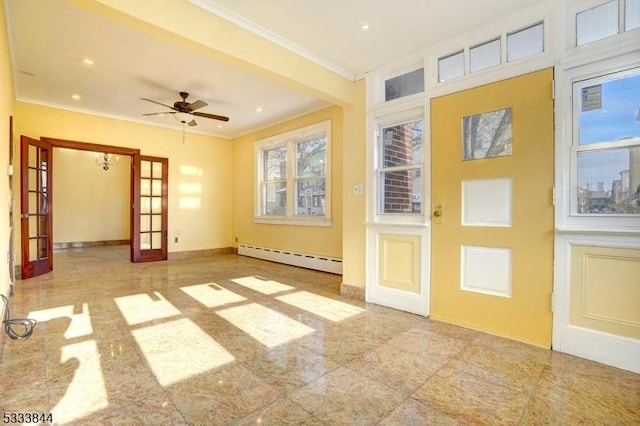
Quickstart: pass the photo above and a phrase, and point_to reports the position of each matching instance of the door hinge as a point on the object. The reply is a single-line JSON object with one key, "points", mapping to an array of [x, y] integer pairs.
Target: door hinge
{"points": [[553, 300], [553, 196], [553, 89]]}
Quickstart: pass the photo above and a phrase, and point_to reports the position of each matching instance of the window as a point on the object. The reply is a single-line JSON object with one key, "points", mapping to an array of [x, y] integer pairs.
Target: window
{"points": [[597, 23], [451, 66], [404, 85], [400, 168], [606, 148], [293, 177], [525, 42], [632, 15], [521, 43], [606, 19], [485, 55]]}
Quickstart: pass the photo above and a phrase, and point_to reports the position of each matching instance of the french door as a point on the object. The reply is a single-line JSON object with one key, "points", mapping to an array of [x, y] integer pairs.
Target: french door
{"points": [[150, 204], [35, 206], [149, 201]]}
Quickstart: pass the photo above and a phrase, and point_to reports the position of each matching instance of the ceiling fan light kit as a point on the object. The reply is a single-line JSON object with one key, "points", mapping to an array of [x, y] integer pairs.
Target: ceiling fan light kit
{"points": [[184, 112]]}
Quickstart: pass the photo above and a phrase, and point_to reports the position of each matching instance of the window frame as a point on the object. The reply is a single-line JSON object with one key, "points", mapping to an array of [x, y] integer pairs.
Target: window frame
{"points": [[290, 141], [566, 155], [576, 148], [404, 117]]}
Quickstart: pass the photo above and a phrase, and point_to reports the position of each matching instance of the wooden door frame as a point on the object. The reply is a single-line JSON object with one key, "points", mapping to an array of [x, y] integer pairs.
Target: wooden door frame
{"points": [[88, 146]]}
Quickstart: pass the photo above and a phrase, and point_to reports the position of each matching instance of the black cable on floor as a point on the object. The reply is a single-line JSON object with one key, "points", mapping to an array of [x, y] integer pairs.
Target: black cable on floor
{"points": [[27, 324]]}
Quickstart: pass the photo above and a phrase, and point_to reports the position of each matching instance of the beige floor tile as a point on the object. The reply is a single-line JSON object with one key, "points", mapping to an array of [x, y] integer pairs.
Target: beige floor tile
{"points": [[500, 368], [344, 396], [290, 367], [472, 400], [280, 413], [223, 396], [575, 391], [399, 370], [514, 348], [450, 330], [413, 412], [420, 341], [224, 355]]}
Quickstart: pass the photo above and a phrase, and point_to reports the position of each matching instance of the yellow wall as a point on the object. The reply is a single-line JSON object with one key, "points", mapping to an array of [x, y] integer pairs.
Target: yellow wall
{"points": [[6, 110], [199, 169], [326, 241], [94, 207], [354, 206]]}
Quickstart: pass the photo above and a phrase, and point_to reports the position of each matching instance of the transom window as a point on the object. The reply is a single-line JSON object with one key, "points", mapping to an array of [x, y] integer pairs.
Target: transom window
{"points": [[604, 21], [606, 146], [404, 85], [293, 177], [521, 43]]}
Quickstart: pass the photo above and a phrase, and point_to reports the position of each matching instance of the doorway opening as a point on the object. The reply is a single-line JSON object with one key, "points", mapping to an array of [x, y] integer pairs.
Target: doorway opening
{"points": [[148, 182]]}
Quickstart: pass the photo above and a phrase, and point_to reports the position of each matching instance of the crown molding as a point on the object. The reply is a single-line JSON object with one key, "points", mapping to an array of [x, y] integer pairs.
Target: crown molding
{"points": [[117, 117], [251, 26]]}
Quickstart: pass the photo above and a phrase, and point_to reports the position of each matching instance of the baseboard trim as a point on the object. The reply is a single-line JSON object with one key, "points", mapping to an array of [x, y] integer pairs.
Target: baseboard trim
{"points": [[352, 291], [193, 254], [81, 244]]}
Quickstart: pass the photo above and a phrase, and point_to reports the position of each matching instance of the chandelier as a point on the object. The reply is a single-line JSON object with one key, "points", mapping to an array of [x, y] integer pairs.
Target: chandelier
{"points": [[106, 160]]}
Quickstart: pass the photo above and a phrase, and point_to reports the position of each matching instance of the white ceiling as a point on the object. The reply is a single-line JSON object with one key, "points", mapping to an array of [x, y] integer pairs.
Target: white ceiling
{"points": [[49, 39]]}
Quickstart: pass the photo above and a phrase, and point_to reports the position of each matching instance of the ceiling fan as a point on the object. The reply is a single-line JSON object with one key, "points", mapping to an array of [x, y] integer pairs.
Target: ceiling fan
{"points": [[185, 111]]}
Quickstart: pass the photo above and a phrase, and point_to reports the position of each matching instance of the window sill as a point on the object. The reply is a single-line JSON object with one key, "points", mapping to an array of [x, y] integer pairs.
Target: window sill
{"points": [[593, 230], [295, 221]]}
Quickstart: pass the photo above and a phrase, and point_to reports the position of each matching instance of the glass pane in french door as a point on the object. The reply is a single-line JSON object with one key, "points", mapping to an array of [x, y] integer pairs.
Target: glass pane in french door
{"points": [[151, 223], [37, 208]]}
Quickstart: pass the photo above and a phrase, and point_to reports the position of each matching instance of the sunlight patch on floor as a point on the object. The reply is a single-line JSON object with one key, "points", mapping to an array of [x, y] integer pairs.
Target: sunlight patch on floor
{"points": [[86, 393], [212, 295], [79, 324], [262, 285], [179, 349], [140, 308], [267, 326], [327, 308]]}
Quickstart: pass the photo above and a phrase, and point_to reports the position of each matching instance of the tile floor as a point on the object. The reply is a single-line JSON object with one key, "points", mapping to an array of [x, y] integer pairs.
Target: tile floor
{"points": [[235, 340]]}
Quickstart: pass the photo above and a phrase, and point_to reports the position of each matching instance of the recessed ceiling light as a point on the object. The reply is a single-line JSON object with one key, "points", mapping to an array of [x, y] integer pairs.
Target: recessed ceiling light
{"points": [[364, 27], [220, 126], [259, 108], [87, 61], [75, 96]]}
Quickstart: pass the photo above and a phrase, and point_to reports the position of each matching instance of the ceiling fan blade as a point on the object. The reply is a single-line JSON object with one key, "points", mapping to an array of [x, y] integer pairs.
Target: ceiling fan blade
{"points": [[215, 117], [197, 105], [159, 113], [157, 103], [192, 123]]}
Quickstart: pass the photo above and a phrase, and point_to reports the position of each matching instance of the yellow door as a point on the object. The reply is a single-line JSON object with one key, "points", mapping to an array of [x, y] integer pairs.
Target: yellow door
{"points": [[492, 233]]}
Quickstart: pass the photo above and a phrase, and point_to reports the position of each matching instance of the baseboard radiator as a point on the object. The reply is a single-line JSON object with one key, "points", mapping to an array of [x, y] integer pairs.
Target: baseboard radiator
{"points": [[310, 261]]}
